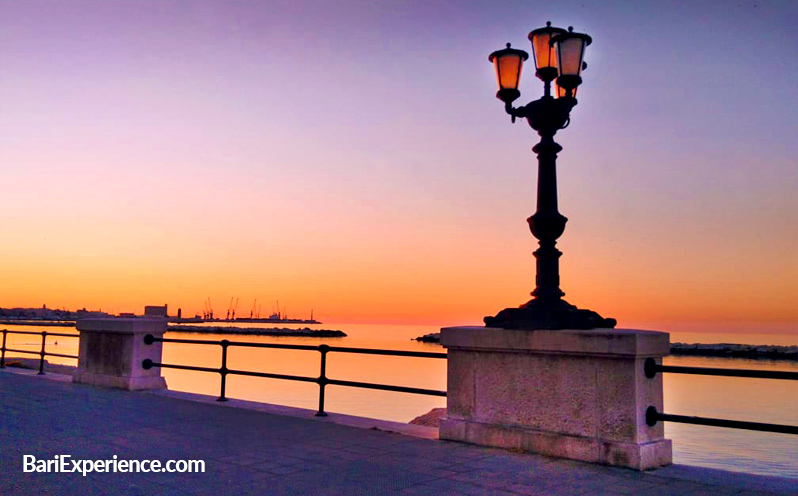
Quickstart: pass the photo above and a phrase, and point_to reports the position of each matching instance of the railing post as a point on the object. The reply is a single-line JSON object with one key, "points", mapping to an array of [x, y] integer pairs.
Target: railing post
{"points": [[3, 355], [223, 369], [41, 355], [323, 349]]}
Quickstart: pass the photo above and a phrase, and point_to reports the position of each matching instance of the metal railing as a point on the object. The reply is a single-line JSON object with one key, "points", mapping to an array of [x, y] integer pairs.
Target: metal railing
{"points": [[42, 352], [651, 368], [322, 380]]}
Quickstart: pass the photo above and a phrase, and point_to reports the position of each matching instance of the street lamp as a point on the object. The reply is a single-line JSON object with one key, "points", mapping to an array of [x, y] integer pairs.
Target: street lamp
{"points": [[559, 58]]}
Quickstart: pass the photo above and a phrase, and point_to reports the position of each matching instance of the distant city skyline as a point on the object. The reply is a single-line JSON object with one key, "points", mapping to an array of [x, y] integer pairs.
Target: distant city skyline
{"points": [[351, 158]]}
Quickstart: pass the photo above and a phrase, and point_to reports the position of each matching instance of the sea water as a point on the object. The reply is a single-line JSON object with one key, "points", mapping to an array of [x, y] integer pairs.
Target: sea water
{"points": [[758, 400]]}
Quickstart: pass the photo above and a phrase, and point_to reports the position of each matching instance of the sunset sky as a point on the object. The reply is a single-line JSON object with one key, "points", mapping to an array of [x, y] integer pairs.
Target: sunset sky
{"points": [[350, 157]]}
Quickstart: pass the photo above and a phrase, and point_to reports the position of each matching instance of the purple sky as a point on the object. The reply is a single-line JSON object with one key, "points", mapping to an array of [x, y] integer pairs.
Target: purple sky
{"points": [[371, 129]]}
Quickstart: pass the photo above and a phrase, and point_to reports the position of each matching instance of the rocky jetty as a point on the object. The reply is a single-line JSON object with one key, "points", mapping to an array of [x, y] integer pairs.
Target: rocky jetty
{"points": [[728, 350], [431, 418], [260, 331], [39, 323], [770, 352], [433, 337]]}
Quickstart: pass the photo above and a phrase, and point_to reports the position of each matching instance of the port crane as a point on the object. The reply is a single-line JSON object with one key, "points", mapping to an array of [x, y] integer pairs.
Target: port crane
{"points": [[276, 313], [254, 305]]}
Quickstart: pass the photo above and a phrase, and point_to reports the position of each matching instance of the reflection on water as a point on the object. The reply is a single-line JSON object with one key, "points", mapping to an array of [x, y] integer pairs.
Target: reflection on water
{"points": [[759, 400], [735, 398], [414, 372]]}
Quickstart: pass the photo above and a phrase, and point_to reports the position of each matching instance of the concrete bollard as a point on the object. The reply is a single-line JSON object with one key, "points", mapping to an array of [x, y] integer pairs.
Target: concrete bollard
{"points": [[578, 394], [111, 352]]}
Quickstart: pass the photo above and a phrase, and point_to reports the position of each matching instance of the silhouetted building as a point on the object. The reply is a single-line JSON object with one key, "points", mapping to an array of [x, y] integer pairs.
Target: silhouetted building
{"points": [[155, 311]]}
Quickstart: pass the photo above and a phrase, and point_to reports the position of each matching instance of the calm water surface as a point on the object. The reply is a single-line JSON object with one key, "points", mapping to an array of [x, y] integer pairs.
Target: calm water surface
{"points": [[734, 398]]}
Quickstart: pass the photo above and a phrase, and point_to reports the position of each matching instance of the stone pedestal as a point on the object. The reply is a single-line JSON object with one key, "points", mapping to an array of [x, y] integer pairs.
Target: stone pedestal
{"points": [[111, 352], [579, 394]]}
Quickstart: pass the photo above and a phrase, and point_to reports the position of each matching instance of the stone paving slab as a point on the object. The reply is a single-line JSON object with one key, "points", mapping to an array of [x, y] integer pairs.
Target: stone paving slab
{"points": [[249, 452]]}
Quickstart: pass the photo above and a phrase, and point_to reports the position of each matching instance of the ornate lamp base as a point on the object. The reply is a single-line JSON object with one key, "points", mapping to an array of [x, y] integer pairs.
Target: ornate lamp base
{"points": [[552, 314]]}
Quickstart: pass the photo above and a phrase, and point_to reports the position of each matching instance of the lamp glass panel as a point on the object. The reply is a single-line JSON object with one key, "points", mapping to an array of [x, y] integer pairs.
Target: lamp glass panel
{"points": [[508, 70], [545, 54], [571, 50], [562, 92]]}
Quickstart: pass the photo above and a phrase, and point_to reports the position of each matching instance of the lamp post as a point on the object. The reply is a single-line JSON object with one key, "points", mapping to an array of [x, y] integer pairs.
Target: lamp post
{"points": [[558, 58]]}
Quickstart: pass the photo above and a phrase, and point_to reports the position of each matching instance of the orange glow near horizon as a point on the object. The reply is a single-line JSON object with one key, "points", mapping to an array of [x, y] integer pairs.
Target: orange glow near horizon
{"points": [[167, 155], [401, 274]]}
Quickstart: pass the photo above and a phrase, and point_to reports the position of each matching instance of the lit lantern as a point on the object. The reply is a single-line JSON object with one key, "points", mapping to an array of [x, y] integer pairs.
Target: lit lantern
{"points": [[508, 63], [545, 53], [570, 54]]}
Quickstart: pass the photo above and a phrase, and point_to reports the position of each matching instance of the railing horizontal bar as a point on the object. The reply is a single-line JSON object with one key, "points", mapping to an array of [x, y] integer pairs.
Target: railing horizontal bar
{"points": [[368, 351], [60, 334], [733, 424], [238, 343], [184, 367], [31, 333], [185, 341], [24, 351], [61, 355], [386, 387], [364, 385], [249, 344], [273, 376], [365, 351], [760, 374], [34, 333]]}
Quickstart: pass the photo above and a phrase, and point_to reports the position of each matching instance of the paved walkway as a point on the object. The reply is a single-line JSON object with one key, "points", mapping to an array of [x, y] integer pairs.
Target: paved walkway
{"points": [[253, 452]]}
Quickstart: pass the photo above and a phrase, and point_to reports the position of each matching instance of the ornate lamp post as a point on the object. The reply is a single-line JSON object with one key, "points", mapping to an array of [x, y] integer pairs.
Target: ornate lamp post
{"points": [[558, 57]]}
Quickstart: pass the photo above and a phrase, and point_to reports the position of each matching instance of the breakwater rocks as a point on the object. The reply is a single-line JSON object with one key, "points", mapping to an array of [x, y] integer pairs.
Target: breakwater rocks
{"points": [[770, 352], [261, 331], [40, 323], [728, 350], [433, 337]]}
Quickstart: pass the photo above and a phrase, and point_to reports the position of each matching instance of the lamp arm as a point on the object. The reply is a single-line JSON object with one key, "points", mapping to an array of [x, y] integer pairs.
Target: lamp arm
{"points": [[514, 112]]}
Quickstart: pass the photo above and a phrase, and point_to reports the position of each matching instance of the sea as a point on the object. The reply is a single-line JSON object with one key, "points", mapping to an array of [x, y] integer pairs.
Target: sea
{"points": [[758, 400]]}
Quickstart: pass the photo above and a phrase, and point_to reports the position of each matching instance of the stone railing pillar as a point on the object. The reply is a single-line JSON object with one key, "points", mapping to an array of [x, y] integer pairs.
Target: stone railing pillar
{"points": [[578, 394], [111, 352]]}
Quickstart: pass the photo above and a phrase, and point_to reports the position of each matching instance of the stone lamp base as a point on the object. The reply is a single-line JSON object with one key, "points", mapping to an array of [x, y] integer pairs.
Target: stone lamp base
{"points": [[578, 394]]}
